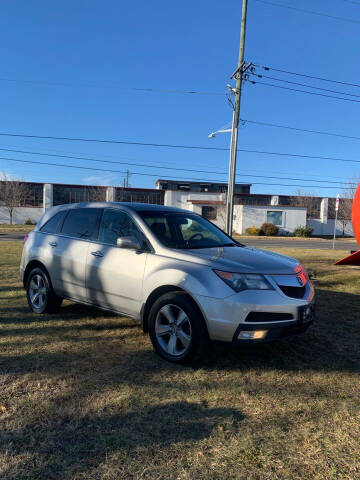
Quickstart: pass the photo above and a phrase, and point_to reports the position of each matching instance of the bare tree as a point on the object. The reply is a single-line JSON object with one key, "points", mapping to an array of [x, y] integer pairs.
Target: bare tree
{"points": [[306, 200], [96, 193], [13, 194], [345, 204]]}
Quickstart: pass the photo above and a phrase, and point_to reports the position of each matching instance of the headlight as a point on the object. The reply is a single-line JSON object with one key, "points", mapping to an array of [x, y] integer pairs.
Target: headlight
{"points": [[244, 281]]}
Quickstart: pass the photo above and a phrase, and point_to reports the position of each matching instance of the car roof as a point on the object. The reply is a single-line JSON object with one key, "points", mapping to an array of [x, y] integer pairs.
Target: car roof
{"points": [[136, 207]]}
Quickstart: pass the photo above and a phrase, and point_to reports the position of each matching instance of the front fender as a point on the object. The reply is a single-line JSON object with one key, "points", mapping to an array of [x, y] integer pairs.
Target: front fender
{"points": [[193, 278]]}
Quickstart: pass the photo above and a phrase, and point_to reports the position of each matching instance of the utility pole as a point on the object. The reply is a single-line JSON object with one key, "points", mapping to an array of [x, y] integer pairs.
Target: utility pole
{"points": [[238, 74], [336, 217], [126, 179]]}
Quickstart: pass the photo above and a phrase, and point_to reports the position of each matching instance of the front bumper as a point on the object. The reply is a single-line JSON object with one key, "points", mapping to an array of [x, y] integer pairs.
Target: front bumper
{"points": [[271, 310], [274, 331]]}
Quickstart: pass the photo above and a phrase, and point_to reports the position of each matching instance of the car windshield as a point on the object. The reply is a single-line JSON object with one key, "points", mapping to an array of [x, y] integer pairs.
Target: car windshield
{"points": [[182, 230]]}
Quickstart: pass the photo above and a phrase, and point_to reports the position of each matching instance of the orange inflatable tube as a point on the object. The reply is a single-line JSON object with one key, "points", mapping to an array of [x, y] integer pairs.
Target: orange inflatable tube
{"points": [[354, 258]]}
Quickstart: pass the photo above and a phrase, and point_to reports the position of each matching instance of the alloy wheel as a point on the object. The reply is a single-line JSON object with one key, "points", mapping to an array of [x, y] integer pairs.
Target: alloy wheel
{"points": [[37, 291], [173, 330]]}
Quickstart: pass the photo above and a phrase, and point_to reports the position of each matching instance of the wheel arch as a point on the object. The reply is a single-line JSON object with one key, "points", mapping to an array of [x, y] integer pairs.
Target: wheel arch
{"points": [[30, 266], [157, 293]]}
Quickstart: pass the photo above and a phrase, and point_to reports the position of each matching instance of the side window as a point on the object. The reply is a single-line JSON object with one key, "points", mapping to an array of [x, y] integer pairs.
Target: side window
{"points": [[275, 217], [53, 225], [209, 212], [116, 224], [160, 228], [82, 223]]}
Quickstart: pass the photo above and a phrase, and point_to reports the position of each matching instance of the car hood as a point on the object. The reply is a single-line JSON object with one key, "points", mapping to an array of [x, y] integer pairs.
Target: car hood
{"points": [[245, 260]]}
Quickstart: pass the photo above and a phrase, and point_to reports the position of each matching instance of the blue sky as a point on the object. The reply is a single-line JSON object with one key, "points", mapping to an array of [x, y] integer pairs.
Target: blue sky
{"points": [[190, 45]]}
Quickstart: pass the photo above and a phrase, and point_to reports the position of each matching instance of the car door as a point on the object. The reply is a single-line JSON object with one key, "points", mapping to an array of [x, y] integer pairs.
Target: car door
{"points": [[114, 276], [79, 227], [44, 245]]}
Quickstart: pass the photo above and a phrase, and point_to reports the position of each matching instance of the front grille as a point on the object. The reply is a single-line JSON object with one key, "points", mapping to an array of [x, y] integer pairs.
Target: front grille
{"points": [[268, 317], [294, 292]]}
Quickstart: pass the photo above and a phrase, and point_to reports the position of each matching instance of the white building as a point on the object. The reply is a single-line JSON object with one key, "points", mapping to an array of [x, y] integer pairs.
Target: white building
{"points": [[208, 200]]}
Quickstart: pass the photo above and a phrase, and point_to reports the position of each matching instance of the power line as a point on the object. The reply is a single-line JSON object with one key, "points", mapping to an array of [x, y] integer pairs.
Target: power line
{"points": [[320, 14], [352, 1], [324, 79], [89, 85], [301, 129], [261, 152], [304, 85], [148, 165], [304, 91], [121, 142], [166, 168], [152, 175]]}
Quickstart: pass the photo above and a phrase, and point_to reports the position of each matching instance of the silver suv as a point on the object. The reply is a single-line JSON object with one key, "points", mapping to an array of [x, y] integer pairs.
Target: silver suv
{"points": [[180, 275]]}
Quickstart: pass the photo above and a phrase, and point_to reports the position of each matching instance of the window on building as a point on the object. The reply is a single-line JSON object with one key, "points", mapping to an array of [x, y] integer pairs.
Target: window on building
{"points": [[204, 187], [275, 217], [209, 212], [139, 196], [183, 186], [82, 223], [75, 194]]}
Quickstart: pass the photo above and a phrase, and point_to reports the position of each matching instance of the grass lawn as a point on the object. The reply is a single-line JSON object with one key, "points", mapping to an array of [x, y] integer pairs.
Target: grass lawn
{"points": [[6, 228], [83, 396]]}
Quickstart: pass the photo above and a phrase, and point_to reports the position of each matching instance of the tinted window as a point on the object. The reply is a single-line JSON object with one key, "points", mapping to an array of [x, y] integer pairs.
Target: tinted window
{"points": [[116, 224], [181, 230], [52, 225], [82, 223]]}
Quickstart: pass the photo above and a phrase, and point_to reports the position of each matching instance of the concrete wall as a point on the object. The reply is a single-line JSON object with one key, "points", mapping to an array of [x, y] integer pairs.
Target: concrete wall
{"points": [[183, 200], [180, 199], [327, 228], [21, 214], [255, 216], [245, 216]]}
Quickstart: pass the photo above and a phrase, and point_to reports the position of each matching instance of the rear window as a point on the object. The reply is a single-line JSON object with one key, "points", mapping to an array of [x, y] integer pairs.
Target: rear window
{"points": [[53, 225], [82, 223]]}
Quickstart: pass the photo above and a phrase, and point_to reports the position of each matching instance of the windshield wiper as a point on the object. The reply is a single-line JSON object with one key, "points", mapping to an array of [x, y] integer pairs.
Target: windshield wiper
{"points": [[227, 245]]}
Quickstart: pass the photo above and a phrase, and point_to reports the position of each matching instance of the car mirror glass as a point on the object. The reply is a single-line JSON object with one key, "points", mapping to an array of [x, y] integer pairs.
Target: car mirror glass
{"points": [[130, 243]]}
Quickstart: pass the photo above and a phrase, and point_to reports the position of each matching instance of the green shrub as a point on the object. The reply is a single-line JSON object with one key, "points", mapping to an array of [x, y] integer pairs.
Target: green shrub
{"points": [[303, 232], [269, 229], [254, 231], [28, 221]]}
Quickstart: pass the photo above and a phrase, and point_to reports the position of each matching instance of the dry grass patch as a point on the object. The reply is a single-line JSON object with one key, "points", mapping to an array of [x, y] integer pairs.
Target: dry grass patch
{"points": [[83, 396], [7, 228]]}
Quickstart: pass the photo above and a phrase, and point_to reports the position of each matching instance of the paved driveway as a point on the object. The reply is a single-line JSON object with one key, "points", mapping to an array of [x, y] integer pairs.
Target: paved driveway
{"points": [[292, 243], [12, 236]]}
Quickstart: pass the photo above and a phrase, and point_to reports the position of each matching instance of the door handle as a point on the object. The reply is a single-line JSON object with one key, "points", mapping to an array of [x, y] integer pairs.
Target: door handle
{"points": [[97, 254], [52, 244]]}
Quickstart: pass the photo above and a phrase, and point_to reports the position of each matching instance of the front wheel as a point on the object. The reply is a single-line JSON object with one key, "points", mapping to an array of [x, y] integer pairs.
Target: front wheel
{"points": [[177, 329], [40, 294]]}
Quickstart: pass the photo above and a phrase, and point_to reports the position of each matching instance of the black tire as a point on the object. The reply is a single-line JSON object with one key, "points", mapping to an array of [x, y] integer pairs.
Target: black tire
{"points": [[50, 302], [195, 325]]}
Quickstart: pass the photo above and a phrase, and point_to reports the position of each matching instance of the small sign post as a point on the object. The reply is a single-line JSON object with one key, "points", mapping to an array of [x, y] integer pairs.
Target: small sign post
{"points": [[336, 216]]}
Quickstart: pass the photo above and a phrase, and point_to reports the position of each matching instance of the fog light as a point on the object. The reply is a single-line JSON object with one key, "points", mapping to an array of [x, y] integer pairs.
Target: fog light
{"points": [[252, 334]]}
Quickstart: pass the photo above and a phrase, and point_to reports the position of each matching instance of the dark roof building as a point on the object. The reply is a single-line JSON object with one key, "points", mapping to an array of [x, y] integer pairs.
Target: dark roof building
{"points": [[210, 187]]}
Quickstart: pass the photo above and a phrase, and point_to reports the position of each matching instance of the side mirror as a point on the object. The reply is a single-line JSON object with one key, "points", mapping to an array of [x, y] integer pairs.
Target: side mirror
{"points": [[131, 243]]}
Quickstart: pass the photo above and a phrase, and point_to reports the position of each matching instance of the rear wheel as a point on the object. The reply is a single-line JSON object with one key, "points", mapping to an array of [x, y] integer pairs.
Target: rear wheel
{"points": [[177, 329], [40, 294]]}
